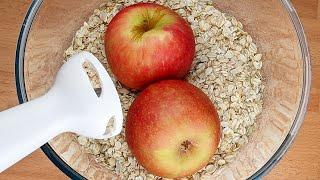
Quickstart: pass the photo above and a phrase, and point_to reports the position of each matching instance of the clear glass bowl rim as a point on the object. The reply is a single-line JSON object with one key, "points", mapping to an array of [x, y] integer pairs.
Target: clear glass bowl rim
{"points": [[305, 91]]}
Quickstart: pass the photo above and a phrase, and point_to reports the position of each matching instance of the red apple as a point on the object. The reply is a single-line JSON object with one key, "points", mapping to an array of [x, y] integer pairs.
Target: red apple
{"points": [[148, 42], [172, 129]]}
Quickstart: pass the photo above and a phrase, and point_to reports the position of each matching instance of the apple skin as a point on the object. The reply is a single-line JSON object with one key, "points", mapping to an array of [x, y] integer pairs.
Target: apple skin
{"points": [[165, 116], [147, 42]]}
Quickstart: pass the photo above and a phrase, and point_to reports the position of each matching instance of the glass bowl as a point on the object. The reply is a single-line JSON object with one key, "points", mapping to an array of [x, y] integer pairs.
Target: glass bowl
{"points": [[49, 27]]}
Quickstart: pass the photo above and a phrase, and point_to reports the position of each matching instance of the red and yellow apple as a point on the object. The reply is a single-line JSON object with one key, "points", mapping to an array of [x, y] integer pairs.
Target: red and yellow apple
{"points": [[172, 129], [148, 42]]}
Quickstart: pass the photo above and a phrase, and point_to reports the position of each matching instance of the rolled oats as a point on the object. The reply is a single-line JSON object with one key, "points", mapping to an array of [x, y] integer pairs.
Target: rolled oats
{"points": [[227, 68]]}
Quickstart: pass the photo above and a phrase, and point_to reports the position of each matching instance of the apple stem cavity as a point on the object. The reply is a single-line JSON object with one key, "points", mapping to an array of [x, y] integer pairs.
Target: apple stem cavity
{"points": [[149, 21]]}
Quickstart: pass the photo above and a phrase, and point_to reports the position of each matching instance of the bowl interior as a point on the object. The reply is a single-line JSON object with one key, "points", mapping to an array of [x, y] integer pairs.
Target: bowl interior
{"points": [[272, 30]]}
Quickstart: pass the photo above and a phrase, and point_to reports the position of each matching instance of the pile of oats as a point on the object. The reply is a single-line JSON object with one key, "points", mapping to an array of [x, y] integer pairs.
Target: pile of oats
{"points": [[227, 68]]}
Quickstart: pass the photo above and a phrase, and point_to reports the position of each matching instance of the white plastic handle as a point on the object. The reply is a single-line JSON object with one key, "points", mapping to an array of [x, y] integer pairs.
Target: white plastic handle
{"points": [[25, 128], [70, 105]]}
